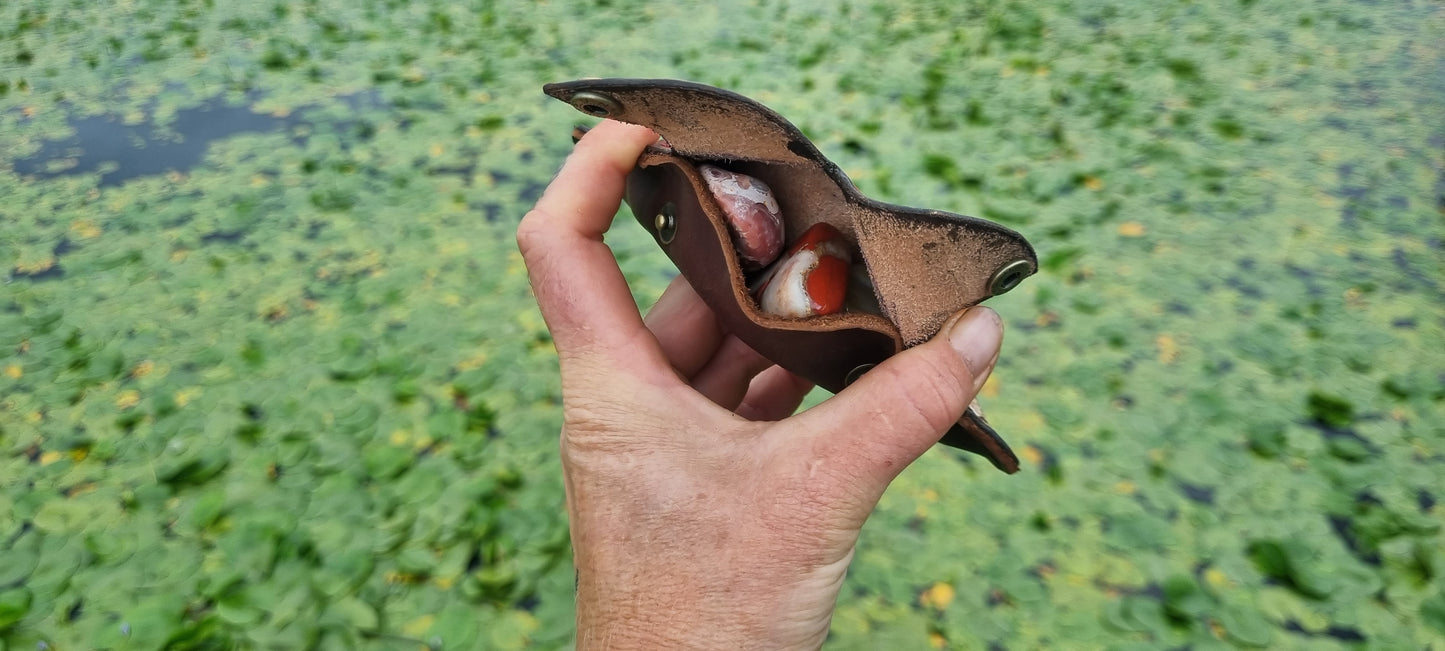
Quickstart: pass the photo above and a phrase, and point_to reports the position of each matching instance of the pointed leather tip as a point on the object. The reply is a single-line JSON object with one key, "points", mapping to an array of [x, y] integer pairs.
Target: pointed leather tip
{"points": [[558, 90], [974, 434]]}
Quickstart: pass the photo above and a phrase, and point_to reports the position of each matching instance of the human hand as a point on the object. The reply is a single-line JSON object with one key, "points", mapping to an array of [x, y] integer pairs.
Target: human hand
{"points": [[702, 515]]}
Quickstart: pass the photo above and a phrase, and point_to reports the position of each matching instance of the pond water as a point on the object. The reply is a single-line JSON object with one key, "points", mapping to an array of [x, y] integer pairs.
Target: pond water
{"points": [[126, 151]]}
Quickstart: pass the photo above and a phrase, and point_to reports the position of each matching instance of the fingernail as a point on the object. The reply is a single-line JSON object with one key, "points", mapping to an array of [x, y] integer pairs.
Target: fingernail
{"points": [[976, 337]]}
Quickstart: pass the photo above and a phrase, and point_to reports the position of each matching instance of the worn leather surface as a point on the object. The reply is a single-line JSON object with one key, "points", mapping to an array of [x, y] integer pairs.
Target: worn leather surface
{"points": [[924, 265], [823, 349]]}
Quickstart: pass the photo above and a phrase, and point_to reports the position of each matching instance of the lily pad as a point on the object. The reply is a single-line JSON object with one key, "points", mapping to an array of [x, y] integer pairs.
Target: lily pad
{"points": [[1246, 626], [14, 605]]}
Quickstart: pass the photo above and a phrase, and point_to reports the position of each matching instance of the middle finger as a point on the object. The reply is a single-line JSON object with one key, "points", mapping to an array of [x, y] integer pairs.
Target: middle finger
{"points": [[686, 328]]}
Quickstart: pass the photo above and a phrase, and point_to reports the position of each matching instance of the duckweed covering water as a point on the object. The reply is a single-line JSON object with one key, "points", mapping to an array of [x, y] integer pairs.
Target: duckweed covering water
{"points": [[271, 376]]}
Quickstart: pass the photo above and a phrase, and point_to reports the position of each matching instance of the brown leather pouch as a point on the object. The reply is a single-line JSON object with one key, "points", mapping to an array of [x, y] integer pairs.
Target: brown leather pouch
{"points": [[915, 267]]}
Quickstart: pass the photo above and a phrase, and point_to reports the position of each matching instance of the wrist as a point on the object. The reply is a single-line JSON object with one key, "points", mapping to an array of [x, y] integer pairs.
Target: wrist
{"points": [[685, 614]]}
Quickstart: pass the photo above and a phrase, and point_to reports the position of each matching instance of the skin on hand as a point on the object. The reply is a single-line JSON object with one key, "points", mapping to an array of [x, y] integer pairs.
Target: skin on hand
{"points": [[702, 514]]}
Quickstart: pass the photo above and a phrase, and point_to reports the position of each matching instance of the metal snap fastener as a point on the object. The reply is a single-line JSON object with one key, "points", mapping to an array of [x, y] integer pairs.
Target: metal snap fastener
{"points": [[596, 104], [665, 223], [1009, 276], [856, 373]]}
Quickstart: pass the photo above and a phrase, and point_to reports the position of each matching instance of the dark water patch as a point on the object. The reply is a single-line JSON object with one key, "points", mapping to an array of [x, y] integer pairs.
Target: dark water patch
{"points": [[1362, 93], [1179, 307], [1312, 285], [180, 220], [223, 237], [490, 211], [1341, 633], [1221, 366], [1349, 215], [1344, 443], [1248, 291], [1356, 192], [465, 172], [1197, 493], [1402, 262], [148, 149], [1344, 529], [531, 192], [1345, 634], [1148, 504], [52, 272], [1048, 463]]}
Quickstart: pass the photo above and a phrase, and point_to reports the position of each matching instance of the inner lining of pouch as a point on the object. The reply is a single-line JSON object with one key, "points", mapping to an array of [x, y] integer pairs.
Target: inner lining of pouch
{"points": [[806, 197]]}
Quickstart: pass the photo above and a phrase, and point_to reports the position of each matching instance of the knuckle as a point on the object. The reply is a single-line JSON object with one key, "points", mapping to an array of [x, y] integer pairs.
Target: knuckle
{"points": [[596, 427], [532, 234], [930, 389]]}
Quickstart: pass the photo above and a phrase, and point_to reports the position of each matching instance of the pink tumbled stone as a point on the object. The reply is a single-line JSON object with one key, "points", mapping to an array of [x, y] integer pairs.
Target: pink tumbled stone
{"points": [[754, 218]]}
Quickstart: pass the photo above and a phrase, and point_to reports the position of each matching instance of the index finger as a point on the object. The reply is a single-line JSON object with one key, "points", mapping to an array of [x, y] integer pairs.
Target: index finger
{"points": [[579, 288]]}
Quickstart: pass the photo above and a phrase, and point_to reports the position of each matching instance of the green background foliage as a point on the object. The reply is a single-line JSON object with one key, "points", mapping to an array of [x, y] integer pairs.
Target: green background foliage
{"points": [[292, 392]]}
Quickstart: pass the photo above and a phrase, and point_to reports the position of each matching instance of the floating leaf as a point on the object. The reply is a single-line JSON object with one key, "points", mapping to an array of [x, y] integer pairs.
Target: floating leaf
{"points": [[14, 605], [1246, 626], [512, 630], [352, 612], [20, 559], [1330, 410], [1183, 599], [1432, 611], [456, 627], [1135, 614], [1293, 564]]}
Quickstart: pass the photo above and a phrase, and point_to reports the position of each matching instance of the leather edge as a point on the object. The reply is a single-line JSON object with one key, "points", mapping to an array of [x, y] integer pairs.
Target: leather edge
{"points": [[973, 434]]}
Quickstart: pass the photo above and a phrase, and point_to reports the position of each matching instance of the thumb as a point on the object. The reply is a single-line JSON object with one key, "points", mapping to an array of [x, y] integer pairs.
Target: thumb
{"points": [[895, 412]]}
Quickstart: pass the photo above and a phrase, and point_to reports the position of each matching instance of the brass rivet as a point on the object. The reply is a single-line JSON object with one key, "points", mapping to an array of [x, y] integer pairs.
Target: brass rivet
{"points": [[665, 223], [1009, 276], [596, 105], [856, 373]]}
